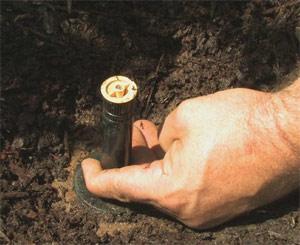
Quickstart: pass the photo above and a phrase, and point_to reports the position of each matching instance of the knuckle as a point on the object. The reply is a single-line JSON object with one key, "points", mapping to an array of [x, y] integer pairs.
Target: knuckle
{"points": [[179, 205], [184, 111], [195, 224], [169, 119], [91, 185], [174, 203]]}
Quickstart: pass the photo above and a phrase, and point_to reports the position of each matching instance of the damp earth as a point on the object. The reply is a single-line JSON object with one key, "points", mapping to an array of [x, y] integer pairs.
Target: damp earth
{"points": [[55, 55]]}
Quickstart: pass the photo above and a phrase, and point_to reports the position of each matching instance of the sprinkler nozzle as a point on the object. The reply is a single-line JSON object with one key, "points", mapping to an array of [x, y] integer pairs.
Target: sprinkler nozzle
{"points": [[118, 90]]}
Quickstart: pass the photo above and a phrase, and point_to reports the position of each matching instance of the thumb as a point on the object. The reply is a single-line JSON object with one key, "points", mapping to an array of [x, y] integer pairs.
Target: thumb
{"points": [[176, 125]]}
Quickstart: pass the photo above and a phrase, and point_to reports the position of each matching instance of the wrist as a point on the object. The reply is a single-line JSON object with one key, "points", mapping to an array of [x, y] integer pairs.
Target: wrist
{"points": [[277, 123], [286, 106]]}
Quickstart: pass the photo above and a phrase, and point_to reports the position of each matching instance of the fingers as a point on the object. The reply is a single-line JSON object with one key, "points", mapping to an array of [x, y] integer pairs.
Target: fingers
{"points": [[138, 138], [145, 149], [157, 183], [149, 131], [140, 152], [138, 183], [150, 135], [174, 128]]}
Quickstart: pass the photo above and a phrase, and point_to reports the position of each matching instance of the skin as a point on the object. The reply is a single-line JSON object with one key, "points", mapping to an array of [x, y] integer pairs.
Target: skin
{"points": [[216, 157]]}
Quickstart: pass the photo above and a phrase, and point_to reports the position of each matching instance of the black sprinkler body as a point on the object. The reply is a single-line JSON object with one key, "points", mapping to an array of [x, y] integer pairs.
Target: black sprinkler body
{"points": [[118, 106], [118, 95]]}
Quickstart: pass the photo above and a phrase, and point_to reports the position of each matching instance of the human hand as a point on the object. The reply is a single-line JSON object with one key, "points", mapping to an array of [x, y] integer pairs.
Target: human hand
{"points": [[224, 155]]}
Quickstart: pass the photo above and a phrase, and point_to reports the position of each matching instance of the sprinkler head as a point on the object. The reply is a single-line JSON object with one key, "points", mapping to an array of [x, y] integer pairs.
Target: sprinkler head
{"points": [[118, 93], [118, 90]]}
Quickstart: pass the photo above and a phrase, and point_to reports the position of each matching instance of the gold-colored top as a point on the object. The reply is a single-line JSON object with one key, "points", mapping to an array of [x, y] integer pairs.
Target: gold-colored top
{"points": [[118, 89]]}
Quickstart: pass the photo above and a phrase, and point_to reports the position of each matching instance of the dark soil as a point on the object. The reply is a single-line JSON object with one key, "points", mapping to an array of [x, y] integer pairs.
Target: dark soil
{"points": [[53, 62]]}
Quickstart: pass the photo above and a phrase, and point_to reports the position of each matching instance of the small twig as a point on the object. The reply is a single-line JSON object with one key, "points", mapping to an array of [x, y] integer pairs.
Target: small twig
{"points": [[275, 234], [53, 156], [158, 64], [13, 194], [20, 17], [149, 97], [39, 34], [62, 8], [9, 152], [268, 11], [282, 237], [167, 99], [154, 85], [66, 145], [69, 6], [7, 103], [2, 234]]}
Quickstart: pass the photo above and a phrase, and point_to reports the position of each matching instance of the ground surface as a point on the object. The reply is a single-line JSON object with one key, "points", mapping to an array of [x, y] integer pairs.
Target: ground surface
{"points": [[53, 62]]}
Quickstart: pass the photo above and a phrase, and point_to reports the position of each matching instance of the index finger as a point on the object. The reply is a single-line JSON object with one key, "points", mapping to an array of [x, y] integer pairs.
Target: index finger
{"points": [[138, 183]]}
